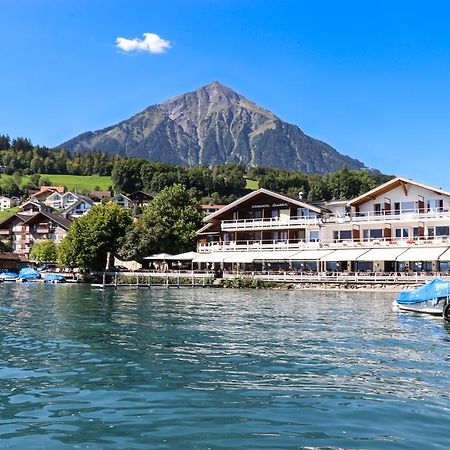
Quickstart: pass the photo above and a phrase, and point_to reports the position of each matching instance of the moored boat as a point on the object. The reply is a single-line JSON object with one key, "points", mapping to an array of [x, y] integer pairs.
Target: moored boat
{"points": [[431, 298], [54, 278]]}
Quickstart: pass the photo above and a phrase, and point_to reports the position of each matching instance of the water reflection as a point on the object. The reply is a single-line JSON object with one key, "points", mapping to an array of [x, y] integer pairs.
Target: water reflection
{"points": [[218, 368]]}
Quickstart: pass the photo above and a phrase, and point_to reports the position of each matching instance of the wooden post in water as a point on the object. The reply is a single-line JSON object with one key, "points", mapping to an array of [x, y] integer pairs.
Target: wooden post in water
{"points": [[115, 281], [137, 281], [104, 279]]}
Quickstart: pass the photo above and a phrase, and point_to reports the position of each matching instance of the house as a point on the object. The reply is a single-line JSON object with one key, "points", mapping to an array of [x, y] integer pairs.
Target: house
{"points": [[11, 262], [61, 200], [81, 207], [33, 206], [46, 191], [12, 230], [400, 225], [7, 203], [22, 230], [209, 208], [141, 199], [123, 201]]}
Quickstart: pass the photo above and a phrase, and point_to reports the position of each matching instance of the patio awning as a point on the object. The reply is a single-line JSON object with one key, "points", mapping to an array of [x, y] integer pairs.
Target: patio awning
{"points": [[158, 257], [422, 254], [382, 254], [350, 254], [309, 255], [276, 255], [214, 257], [188, 256], [242, 257], [445, 256]]}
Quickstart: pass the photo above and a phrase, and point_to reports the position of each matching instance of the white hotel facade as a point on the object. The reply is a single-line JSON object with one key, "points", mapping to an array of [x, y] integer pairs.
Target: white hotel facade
{"points": [[401, 225]]}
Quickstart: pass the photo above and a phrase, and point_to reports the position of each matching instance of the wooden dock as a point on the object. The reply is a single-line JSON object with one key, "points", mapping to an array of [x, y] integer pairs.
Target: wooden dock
{"points": [[149, 280]]}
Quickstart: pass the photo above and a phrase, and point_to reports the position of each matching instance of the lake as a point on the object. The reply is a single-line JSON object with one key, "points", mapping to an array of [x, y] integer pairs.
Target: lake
{"points": [[219, 369]]}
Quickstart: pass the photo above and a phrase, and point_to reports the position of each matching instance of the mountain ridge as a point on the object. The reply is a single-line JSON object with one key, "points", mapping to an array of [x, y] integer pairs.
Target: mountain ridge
{"points": [[214, 125]]}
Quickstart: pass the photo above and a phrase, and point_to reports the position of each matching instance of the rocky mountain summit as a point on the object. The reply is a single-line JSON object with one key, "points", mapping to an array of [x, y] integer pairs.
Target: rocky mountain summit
{"points": [[214, 125]]}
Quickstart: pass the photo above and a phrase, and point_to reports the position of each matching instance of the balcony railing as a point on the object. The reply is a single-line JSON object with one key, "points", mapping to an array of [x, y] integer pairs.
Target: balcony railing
{"points": [[302, 221], [268, 223], [295, 244], [386, 216]]}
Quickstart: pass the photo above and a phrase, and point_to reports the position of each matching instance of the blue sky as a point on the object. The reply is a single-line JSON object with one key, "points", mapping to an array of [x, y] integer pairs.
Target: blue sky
{"points": [[371, 78]]}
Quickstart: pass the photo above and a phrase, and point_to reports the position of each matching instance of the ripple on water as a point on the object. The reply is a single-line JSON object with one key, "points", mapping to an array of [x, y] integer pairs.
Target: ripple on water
{"points": [[81, 368]]}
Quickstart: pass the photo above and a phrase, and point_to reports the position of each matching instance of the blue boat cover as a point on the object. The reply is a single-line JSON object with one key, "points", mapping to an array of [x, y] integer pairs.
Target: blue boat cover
{"points": [[54, 277], [434, 289], [29, 273], [8, 275]]}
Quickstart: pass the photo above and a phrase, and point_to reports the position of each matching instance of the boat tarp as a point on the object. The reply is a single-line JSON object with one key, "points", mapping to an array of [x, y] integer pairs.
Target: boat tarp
{"points": [[53, 277], [28, 273], [422, 254], [434, 289], [8, 275]]}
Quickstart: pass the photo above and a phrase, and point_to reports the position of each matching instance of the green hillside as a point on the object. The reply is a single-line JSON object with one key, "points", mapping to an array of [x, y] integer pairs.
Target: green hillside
{"points": [[75, 182]]}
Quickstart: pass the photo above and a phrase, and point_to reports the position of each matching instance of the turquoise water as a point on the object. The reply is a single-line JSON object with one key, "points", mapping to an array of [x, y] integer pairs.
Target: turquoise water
{"points": [[220, 369]]}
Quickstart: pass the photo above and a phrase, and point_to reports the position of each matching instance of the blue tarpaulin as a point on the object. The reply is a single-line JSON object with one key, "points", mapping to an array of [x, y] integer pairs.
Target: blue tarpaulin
{"points": [[8, 275], [28, 273], [54, 277], [434, 289]]}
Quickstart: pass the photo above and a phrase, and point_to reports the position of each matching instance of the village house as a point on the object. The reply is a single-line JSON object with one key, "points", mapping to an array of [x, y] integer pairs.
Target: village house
{"points": [[7, 203], [23, 230]]}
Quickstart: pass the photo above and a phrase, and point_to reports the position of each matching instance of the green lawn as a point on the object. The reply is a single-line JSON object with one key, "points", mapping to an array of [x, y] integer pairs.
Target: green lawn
{"points": [[75, 182], [252, 184], [8, 212]]}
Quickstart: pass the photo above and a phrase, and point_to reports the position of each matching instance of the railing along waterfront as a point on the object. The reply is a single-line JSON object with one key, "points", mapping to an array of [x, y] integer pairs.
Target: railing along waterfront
{"points": [[341, 277]]}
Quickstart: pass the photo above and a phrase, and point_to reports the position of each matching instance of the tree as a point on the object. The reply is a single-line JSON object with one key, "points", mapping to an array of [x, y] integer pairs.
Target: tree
{"points": [[93, 237], [172, 218], [44, 251]]}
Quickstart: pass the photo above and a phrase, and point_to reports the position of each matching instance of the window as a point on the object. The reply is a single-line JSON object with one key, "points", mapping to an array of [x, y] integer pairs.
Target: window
{"points": [[435, 205], [442, 231], [314, 236], [305, 212], [377, 209], [342, 235], [275, 214], [408, 207], [402, 233], [373, 234]]}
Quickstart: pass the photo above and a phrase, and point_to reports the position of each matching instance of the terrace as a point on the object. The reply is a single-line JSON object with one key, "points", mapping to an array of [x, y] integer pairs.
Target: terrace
{"points": [[295, 244]]}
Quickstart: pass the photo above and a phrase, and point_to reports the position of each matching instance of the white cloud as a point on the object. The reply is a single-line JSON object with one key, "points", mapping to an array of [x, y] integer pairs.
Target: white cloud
{"points": [[151, 43]]}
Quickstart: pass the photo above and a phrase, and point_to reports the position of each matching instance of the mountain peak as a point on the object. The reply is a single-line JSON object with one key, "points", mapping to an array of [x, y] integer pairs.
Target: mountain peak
{"points": [[214, 125]]}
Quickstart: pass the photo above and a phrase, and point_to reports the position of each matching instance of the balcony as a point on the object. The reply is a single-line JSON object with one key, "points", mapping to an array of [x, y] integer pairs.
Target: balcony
{"points": [[270, 223], [5, 232], [388, 216], [257, 245]]}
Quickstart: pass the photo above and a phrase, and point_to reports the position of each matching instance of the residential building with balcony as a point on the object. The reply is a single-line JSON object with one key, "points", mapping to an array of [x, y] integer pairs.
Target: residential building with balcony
{"points": [[23, 230], [400, 225]]}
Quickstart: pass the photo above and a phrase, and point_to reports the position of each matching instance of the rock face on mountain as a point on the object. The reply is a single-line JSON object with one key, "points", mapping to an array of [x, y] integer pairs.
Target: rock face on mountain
{"points": [[214, 125]]}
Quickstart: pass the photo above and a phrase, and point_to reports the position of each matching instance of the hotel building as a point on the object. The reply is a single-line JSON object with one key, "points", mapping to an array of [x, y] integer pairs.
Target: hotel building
{"points": [[401, 225]]}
